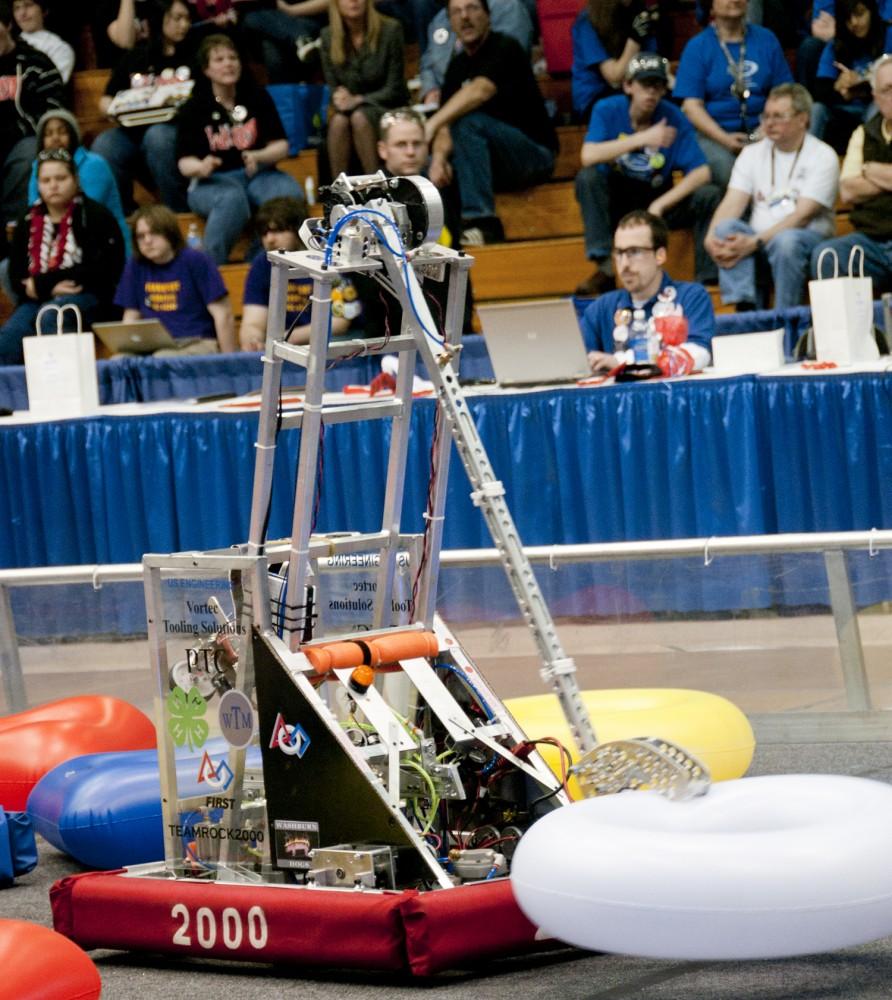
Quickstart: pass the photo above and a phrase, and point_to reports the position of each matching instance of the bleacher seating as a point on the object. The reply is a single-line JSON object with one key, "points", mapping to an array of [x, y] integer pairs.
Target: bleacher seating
{"points": [[543, 254]]}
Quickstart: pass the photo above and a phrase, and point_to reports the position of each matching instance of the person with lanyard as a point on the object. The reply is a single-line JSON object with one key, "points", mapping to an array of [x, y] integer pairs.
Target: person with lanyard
{"points": [[639, 249], [788, 182], [724, 76]]}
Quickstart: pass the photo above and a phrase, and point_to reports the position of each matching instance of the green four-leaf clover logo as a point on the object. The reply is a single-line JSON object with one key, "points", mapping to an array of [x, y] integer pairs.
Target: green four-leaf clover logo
{"points": [[185, 722]]}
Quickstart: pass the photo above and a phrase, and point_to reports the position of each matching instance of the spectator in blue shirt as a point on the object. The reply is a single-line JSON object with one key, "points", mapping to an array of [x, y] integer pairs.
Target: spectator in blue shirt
{"points": [[724, 76], [842, 89], [635, 142], [639, 247], [278, 226], [606, 35], [823, 30]]}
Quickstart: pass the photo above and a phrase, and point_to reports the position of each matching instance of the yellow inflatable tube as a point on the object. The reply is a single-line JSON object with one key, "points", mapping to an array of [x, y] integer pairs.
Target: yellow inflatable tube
{"points": [[706, 725]]}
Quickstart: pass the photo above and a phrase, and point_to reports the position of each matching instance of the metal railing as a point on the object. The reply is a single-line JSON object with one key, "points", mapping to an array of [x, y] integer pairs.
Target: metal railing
{"points": [[860, 722]]}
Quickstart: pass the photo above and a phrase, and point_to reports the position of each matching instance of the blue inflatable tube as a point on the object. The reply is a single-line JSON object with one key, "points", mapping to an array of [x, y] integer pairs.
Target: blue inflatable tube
{"points": [[104, 809]]}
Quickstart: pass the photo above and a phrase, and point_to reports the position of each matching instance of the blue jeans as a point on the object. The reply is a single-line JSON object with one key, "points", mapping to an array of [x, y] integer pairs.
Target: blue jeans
{"points": [[788, 255], [604, 197], [720, 160], [877, 258], [226, 200], [490, 155], [21, 323], [147, 152]]}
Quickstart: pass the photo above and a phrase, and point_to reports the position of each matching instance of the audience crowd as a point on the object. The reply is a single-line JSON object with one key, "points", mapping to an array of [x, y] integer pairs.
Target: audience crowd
{"points": [[724, 143]]}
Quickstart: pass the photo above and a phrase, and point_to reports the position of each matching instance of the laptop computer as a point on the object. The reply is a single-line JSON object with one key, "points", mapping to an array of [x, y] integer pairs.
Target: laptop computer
{"points": [[142, 336], [534, 343]]}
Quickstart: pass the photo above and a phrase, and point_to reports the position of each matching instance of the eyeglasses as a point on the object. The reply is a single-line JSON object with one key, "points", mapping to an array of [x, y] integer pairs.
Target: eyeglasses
{"points": [[769, 119], [633, 253]]}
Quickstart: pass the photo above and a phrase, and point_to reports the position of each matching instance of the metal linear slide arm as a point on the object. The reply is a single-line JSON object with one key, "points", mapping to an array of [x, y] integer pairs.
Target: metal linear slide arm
{"points": [[558, 670]]}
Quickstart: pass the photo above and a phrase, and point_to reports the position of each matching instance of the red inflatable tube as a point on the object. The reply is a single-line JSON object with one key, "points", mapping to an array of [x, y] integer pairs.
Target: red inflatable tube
{"points": [[40, 964], [35, 741]]}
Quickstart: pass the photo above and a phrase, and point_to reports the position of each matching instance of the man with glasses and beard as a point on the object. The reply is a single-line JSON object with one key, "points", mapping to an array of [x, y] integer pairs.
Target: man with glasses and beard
{"points": [[787, 185], [639, 253]]}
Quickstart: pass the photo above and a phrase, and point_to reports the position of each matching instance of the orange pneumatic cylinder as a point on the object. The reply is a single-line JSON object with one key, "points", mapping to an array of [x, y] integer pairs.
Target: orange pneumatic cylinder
{"points": [[373, 653]]}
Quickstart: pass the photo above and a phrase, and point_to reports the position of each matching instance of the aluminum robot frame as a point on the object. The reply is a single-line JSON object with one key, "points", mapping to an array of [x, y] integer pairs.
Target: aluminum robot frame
{"points": [[382, 764]]}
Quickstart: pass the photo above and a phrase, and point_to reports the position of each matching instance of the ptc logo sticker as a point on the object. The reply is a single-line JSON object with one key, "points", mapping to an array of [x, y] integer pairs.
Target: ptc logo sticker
{"points": [[292, 740], [236, 716]]}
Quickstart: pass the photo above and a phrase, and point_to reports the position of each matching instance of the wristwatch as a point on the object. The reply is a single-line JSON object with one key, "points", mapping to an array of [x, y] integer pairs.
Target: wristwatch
{"points": [[759, 244]]}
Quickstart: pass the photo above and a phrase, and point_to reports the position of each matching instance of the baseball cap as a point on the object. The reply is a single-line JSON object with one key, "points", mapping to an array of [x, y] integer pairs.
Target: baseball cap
{"points": [[648, 66]]}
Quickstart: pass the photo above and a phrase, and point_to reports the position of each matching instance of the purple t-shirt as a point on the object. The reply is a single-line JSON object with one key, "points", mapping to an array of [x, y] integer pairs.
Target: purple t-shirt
{"points": [[177, 293]]}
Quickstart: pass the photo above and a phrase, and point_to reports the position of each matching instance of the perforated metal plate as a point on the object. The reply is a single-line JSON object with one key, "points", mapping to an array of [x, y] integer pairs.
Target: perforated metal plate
{"points": [[639, 764]]}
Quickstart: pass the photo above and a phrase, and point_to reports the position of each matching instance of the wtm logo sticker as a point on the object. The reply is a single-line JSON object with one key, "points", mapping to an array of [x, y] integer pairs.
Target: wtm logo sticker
{"points": [[292, 740], [217, 775], [236, 717]]}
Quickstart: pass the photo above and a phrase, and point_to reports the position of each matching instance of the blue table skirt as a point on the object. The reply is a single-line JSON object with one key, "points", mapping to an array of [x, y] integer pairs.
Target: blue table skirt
{"points": [[141, 380], [692, 458]]}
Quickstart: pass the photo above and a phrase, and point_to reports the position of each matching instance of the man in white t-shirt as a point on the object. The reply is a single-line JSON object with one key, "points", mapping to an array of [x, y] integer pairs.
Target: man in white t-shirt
{"points": [[788, 181]]}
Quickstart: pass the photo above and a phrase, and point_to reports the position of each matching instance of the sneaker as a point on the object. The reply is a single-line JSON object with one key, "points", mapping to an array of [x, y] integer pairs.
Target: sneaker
{"points": [[595, 284], [479, 232]]}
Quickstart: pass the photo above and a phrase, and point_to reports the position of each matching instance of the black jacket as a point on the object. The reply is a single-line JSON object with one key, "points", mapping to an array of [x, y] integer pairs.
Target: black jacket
{"points": [[97, 234]]}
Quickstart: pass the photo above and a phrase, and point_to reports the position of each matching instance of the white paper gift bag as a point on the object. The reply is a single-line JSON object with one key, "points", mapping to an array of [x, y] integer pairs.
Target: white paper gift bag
{"points": [[60, 369], [842, 312]]}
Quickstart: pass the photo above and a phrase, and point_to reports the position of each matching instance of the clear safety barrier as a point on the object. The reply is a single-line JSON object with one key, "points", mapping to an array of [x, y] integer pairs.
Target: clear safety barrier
{"points": [[759, 629]]}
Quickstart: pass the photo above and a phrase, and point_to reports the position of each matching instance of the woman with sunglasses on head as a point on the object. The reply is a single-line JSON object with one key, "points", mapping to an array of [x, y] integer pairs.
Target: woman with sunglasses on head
{"points": [[58, 129], [363, 64], [67, 248], [229, 140]]}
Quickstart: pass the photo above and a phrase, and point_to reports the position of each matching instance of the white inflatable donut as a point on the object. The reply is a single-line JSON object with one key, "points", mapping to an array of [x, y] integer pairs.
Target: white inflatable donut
{"points": [[757, 868]]}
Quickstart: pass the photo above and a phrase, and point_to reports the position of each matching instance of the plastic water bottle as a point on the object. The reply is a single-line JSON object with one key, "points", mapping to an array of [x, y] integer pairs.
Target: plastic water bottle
{"points": [[310, 190], [193, 236], [639, 337], [654, 341]]}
